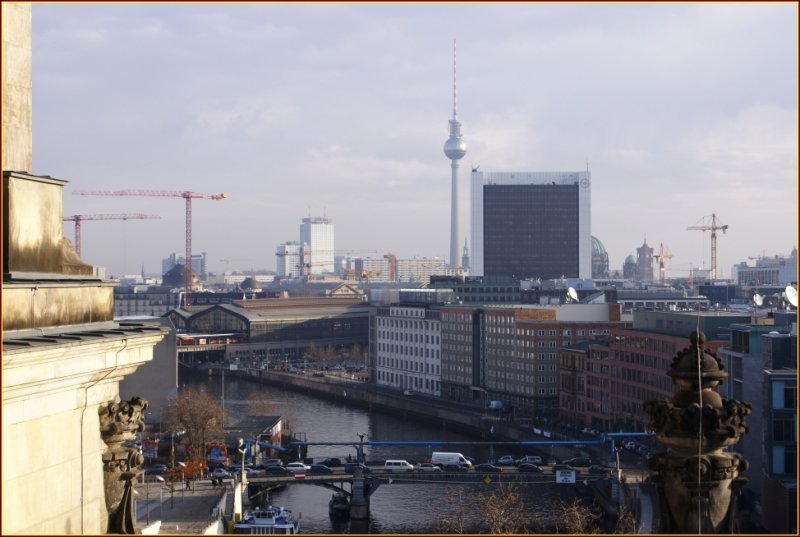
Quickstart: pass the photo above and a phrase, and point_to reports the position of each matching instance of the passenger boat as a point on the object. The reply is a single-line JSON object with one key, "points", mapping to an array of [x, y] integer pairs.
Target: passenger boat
{"points": [[267, 521], [339, 506]]}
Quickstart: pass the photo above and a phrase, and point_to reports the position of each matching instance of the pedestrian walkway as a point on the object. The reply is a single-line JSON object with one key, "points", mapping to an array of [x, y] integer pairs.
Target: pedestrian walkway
{"points": [[645, 519], [182, 511]]}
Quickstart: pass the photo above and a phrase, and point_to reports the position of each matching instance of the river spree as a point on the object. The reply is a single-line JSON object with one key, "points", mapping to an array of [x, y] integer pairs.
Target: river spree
{"points": [[398, 508]]}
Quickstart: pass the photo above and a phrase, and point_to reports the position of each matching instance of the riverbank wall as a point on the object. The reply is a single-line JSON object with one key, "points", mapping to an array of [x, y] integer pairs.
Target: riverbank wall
{"points": [[475, 422]]}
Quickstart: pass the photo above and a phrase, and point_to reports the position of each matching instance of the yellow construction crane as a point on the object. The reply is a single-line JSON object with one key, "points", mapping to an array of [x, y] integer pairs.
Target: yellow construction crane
{"points": [[703, 226], [660, 257]]}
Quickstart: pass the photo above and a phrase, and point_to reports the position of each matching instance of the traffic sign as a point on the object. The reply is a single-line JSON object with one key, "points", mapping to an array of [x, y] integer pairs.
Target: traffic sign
{"points": [[565, 476]]}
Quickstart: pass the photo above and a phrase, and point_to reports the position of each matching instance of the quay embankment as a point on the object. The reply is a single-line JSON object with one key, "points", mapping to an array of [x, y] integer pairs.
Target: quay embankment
{"points": [[483, 424]]}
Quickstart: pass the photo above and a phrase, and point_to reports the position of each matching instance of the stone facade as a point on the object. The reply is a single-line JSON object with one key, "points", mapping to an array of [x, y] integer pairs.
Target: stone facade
{"points": [[63, 356], [52, 465], [17, 83]]}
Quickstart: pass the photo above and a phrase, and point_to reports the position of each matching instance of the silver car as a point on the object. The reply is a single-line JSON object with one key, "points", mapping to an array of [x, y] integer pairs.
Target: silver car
{"points": [[297, 467]]}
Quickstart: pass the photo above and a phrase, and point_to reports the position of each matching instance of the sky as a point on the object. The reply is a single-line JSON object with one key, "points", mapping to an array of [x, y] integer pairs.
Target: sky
{"points": [[679, 110]]}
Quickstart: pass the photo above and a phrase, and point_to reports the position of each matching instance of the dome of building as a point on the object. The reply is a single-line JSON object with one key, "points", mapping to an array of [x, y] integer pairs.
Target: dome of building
{"points": [[250, 284], [174, 277], [630, 259], [597, 247], [599, 259]]}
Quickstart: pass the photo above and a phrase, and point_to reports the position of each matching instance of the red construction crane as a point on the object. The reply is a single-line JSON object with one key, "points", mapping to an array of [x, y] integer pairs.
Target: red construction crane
{"points": [[187, 195], [78, 218], [713, 229]]}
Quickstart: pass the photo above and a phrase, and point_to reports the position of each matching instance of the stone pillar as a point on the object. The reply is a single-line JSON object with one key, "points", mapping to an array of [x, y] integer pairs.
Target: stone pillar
{"points": [[698, 483], [359, 500], [121, 465]]}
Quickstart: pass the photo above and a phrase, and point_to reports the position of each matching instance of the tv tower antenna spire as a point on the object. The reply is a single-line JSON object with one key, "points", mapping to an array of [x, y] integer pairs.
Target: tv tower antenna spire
{"points": [[454, 149]]}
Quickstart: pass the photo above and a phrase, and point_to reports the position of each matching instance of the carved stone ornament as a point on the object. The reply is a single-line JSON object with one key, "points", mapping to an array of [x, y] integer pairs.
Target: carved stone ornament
{"points": [[119, 421], [698, 482]]}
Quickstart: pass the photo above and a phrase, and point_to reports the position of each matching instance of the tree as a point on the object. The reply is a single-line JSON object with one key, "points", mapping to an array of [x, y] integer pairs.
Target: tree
{"points": [[504, 510], [453, 517], [576, 518], [626, 521], [357, 353], [199, 415]]}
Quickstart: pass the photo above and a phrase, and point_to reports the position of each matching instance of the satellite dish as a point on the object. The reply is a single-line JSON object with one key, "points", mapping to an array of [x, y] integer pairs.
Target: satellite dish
{"points": [[572, 294], [791, 295], [758, 300]]}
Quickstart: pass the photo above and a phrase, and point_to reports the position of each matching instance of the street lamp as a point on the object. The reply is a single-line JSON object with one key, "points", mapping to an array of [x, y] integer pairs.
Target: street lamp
{"points": [[243, 450], [360, 456], [161, 497], [183, 479]]}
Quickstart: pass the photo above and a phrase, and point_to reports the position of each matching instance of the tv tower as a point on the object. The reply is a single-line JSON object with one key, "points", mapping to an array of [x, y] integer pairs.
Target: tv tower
{"points": [[454, 149]]}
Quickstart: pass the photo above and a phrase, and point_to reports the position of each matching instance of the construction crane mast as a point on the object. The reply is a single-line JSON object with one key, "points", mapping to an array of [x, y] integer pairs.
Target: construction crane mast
{"points": [[185, 194], [713, 229], [660, 257], [78, 218]]}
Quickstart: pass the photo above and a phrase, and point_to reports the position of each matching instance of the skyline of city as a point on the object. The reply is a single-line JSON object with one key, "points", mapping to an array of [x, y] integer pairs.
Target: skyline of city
{"points": [[678, 111]]}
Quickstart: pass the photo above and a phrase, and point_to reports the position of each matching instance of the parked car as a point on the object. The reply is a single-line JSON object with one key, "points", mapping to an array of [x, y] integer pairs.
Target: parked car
{"points": [[220, 473], [156, 469], [319, 469], [563, 467], [277, 470], [350, 468], [596, 469], [331, 462], [532, 459], [487, 468], [297, 467], [270, 462], [506, 460], [396, 465], [454, 468], [428, 467], [527, 467], [579, 462]]}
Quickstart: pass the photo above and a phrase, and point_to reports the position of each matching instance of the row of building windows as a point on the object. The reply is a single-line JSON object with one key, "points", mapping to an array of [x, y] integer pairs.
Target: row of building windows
{"points": [[403, 323], [409, 351], [408, 365], [399, 379], [413, 338]]}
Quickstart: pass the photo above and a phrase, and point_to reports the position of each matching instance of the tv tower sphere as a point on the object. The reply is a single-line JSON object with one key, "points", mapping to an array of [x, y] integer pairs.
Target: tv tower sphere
{"points": [[454, 147]]}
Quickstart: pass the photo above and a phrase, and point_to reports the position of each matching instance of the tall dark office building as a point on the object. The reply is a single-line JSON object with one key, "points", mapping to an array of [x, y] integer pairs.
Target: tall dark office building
{"points": [[531, 224]]}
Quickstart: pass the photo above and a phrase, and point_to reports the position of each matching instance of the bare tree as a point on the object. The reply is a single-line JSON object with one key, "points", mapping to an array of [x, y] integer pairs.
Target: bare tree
{"points": [[453, 516], [504, 510], [576, 518], [626, 521], [199, 415], [357, 353], [328, 355]]}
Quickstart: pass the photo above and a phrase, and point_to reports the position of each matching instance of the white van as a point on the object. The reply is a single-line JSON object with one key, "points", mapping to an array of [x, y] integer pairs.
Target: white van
{"points": [[398, 466], [440, 458]]}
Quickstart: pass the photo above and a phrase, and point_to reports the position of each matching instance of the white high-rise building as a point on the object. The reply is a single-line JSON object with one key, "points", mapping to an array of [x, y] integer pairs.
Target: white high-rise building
{"points": [[408, 348], [316, 234], [288, 257]]}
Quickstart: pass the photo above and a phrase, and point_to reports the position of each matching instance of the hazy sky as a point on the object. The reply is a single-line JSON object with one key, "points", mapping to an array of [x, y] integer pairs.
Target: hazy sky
{"points": [[681, 110]]}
